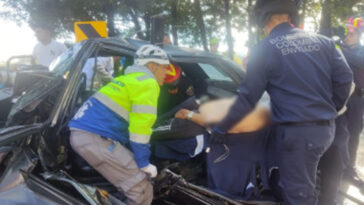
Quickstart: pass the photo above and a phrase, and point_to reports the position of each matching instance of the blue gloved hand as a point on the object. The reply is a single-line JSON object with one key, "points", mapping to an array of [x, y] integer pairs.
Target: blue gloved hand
{"points": [[217, 136]]}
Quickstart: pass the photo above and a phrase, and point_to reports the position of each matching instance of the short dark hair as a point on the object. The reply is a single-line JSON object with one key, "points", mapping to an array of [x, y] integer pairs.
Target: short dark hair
{"points": [[43, 26]]}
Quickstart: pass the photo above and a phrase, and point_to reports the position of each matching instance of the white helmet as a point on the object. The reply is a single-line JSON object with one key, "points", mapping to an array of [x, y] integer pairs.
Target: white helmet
{"points": [[150, 53]]}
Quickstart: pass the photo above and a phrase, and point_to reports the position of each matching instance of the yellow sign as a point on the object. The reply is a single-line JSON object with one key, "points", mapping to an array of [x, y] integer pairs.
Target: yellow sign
{"points": [[90, 29]]}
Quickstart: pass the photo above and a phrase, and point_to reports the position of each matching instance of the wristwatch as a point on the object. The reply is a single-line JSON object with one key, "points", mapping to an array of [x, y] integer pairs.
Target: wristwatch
{"points": [[190, 114]]}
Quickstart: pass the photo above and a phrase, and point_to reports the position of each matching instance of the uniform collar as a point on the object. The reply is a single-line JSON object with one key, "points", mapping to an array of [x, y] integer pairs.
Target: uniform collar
{"points": [[280, 28], [139, 69]]}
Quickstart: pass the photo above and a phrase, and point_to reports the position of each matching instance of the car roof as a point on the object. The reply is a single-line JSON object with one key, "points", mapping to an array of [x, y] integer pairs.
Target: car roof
{"points": [[174, 51]]}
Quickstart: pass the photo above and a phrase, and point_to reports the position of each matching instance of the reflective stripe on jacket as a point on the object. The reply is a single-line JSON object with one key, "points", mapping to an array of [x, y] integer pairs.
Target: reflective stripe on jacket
{"points": [[134, 97], [123, 110]]}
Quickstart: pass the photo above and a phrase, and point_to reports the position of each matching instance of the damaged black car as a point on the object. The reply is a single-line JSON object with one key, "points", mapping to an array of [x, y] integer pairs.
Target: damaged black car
{"points": [[38, 166]]}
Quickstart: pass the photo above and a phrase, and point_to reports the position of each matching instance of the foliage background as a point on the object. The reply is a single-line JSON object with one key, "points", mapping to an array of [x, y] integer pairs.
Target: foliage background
{"points": [[190, 22]]}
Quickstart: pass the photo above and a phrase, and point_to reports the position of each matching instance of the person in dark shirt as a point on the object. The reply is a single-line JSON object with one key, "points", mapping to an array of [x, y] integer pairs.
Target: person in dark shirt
{"points": [[354, 54], [178, 88], [337, 158], [308, 80]]}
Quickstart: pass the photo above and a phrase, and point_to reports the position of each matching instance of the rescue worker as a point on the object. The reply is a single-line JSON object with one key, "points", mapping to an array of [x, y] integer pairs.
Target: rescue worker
{"points": [[245, 151], [337, 158], [308, 81], [354, 54], [176, 89], [333, 163], [120, 117]]}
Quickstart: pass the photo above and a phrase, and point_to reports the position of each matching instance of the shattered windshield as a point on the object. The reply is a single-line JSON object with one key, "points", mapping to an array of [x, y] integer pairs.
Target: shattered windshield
{"points": [[59, 71], [62, 63]]}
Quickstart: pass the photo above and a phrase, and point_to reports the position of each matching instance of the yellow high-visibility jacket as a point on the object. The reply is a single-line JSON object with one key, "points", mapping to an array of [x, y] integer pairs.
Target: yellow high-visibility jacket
{"points": [[124, 110]]}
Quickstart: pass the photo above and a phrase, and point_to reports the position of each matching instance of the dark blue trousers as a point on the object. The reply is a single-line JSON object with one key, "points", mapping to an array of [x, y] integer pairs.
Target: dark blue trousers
{"points": [[298, 151], [180, 149], [238, 169], [355, 124], [333, 163]]}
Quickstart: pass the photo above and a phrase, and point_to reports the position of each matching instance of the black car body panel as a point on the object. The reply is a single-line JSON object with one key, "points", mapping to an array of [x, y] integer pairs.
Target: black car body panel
{"points": [[36, 162]]}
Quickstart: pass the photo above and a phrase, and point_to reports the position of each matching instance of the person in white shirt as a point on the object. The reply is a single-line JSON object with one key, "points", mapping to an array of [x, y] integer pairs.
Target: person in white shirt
{"points": [[47, 49], [104, 71]]}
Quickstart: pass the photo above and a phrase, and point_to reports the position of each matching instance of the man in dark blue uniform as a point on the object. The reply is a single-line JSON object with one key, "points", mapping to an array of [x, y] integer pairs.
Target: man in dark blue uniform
{"points": [[308, 81], [334, 162], [354, 54], [348, 125]]}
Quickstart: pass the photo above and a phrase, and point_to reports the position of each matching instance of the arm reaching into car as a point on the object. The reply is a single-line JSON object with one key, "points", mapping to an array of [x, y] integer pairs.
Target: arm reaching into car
{"points": [[188, 114], [214, 111]]}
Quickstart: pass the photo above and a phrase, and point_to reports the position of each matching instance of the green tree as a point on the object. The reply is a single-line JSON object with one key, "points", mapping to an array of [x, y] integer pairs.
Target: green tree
{"points": [[200, 23], [334, 13], [191, 22], [229, 37], [61, 14]]}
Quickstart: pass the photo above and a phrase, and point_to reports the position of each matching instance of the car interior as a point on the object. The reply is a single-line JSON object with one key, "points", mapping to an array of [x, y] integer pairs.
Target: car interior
{"points": [[206, 80], [54, 149]]}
